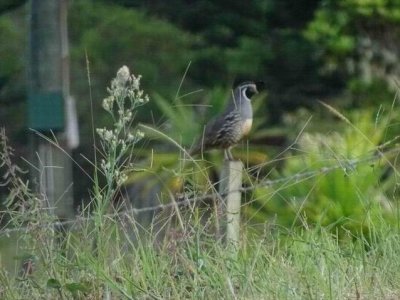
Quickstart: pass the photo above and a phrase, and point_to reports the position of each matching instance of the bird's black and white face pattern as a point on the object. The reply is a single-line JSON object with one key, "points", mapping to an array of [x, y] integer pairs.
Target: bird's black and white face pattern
{"points": [[248, 90]]}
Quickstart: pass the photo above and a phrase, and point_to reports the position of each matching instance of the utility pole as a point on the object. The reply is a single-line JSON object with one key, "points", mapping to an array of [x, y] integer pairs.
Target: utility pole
{"points": [[48, 103]]}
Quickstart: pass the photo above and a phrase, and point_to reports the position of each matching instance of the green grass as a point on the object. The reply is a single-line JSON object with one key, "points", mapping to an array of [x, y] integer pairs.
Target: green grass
{"points": [[109, 255], [302, 264]]}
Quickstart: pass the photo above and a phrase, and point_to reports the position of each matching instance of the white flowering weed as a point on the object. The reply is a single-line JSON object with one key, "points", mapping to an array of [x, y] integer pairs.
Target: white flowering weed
{"points": [[117, 143]]}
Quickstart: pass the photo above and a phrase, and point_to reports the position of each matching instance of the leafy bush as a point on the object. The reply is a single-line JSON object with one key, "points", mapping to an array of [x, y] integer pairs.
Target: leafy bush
{"points": [[333, 179]]}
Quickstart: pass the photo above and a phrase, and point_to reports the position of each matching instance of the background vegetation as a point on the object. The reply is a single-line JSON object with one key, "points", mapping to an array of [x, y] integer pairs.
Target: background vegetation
{"points": [[339, 51], [320, 211]]}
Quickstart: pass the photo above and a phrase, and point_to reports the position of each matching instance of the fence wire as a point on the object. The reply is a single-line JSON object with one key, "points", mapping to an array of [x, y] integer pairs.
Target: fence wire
{"points": [[183, 200]]}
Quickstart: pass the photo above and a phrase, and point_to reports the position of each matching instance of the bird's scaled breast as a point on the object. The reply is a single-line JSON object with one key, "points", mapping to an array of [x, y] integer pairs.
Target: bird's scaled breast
{"points": [[246, 126]]}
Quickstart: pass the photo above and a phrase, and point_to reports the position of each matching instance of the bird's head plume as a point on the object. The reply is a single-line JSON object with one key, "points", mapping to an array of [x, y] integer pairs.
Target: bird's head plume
{"points": [[246, 90]]}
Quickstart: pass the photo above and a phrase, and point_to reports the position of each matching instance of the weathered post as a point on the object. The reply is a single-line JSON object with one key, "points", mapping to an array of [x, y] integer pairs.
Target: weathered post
{"points": [[48, 95], [230, 184]]}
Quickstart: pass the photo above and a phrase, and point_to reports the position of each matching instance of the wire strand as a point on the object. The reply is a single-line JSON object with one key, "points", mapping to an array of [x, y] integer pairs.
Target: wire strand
{"points": [[183, 200]]}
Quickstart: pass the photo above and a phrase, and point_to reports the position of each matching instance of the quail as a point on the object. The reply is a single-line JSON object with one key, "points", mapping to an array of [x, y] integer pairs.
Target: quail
{"points": [[227, 129]]}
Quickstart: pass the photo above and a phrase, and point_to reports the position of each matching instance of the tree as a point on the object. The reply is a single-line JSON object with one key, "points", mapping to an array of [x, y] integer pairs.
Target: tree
{"points": [[359, 39]]}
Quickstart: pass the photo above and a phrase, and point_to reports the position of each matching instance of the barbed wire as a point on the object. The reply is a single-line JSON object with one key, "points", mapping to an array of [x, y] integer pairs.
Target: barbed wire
{"points": [[183, 199], [346, 165]]}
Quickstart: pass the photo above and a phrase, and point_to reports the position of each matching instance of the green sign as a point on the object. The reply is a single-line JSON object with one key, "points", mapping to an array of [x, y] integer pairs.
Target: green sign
{"points": [[46, 111]]}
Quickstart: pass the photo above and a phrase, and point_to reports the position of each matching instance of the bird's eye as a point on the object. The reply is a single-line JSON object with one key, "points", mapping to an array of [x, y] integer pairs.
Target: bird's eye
{"points": [[249, 92]]}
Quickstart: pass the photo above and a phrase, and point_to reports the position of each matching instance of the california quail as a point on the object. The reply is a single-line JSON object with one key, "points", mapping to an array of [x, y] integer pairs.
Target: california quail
{"points": [[227, 129]]}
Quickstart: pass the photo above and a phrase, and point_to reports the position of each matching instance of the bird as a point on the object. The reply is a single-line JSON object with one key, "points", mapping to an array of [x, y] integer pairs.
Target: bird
{"points": [[228, 128]]}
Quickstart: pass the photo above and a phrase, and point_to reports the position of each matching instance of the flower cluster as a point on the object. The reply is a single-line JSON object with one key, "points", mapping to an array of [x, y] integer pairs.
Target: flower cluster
{"points": [[124, 96], [124, 86]]}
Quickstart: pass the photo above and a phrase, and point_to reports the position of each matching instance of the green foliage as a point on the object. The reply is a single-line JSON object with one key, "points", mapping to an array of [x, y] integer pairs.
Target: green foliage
{"points": [[248, 57], [10, 52], [7, 5], [337, 24], [357, 38], [180, 119], [328, 29], [374, 94], [113, 36], [338, 194], [383, 9], [12, 76]]}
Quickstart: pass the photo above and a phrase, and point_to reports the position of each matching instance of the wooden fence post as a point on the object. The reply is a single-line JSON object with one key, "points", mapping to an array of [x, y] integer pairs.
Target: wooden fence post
{"points": [[230, 184]]}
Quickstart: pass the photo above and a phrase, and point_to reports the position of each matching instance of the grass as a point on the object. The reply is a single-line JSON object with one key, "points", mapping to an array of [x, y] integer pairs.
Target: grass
{"points": [[307, 264], [109, 255]]}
